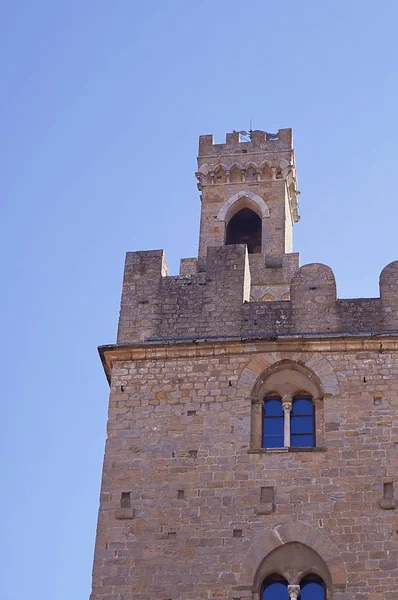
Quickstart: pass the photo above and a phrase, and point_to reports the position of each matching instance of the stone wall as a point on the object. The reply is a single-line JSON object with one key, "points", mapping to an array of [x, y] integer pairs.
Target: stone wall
{"points": [[216, 301], [179, 444], [192, 507]]}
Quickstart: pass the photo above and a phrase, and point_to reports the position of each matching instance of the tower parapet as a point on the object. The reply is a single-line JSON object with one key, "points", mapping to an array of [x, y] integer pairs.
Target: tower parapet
{"points": [[260, 141], [216, 302]]}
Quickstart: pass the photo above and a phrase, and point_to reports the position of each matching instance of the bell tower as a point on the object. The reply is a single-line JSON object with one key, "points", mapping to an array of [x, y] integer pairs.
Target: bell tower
{"points": [[249, 196]]}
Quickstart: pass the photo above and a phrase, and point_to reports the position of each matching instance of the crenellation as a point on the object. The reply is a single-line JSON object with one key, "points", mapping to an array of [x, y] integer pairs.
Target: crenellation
{"points": [[260, 142], [313, 296], [389, 295], [236, 294], [360, 314], [188, 266]]}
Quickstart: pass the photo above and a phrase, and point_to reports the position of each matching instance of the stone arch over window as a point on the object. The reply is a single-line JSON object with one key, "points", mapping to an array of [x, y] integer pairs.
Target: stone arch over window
{"points": [[245, 227], [250, 225], [235, 174], [287, 407], [315, 362], [296, 564], [320, 381], [295, 552], [266, 171], [282, 169], [251, 170], [240, 200], [220, 175]]}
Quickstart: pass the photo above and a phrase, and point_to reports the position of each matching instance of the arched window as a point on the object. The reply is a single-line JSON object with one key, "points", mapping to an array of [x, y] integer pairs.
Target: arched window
{"points": [[293, 571], [245, 228], [236, 174], [273, 423], [266, 172], [288, 423], [302, 423], [287, 408], [220, 176], [312, 588], [275, 588], [251, 173]]}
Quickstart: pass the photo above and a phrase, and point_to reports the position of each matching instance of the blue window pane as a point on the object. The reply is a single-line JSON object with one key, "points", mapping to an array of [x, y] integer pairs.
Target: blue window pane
{"points": [[302, 424], [302, 406], [273, 441], [312, 590], [302, 441], [273, 421], [276, 590], [273, 407], [273, 426]]}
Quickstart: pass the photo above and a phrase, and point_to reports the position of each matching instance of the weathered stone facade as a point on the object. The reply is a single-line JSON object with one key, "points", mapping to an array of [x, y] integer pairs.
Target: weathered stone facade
{"points": [[192, 506]]}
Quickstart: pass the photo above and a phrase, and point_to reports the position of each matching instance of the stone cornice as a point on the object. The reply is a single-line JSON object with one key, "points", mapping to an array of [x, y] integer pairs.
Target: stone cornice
{"points": [[164, 349]]}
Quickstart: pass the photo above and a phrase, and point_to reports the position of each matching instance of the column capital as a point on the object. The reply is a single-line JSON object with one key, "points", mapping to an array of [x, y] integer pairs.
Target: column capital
{"points": [[293, 591], [287, 403]]}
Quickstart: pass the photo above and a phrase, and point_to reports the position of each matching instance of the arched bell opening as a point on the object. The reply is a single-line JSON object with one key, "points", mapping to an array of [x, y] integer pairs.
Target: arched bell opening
{"points": [[245, 228]]}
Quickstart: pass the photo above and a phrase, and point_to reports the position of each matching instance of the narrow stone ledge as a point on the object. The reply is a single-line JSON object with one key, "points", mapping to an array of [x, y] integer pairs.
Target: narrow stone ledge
{"points": [[285, 450], [124, 513], [316, 449], [268, 450]]}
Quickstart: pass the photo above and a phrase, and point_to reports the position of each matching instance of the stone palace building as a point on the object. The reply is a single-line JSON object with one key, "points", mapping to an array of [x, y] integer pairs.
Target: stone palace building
{"points": [[252, 448]]}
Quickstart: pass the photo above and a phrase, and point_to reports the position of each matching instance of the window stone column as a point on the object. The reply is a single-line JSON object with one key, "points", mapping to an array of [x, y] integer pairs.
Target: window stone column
{"points": [[287, 407], [293, 591]]}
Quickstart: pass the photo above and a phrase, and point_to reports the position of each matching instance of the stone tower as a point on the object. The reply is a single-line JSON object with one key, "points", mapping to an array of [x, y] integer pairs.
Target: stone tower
{"points": [[252, 437]]}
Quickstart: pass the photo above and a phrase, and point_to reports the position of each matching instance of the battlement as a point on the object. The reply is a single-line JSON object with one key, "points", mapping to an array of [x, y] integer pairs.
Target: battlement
{"points": [[260, 142], [215, 301]]}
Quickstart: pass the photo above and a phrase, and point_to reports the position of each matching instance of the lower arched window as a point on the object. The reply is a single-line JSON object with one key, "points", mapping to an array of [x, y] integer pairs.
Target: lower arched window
{"points": [[275, 588], [312, 588]]}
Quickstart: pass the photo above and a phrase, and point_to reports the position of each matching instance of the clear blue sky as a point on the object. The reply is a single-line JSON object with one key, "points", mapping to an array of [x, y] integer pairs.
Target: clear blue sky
{"points": [[101, 107]]}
